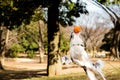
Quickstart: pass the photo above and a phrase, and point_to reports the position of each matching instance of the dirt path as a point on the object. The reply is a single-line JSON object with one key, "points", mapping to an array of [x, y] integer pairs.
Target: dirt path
{"points": [[19, 64], [27, 68]]}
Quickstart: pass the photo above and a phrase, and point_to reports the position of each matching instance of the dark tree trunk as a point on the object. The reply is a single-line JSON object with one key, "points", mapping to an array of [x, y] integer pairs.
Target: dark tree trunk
{"points": [[115, 42], [54, 63], [1, 49], [117, 32]]}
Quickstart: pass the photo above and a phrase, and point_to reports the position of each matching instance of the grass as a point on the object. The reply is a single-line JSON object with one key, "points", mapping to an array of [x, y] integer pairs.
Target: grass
{"points": [[110, 75], [75, 76], [111, 71]]}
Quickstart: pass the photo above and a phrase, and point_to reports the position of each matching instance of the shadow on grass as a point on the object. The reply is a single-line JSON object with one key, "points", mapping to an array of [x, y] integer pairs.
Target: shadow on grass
{"points": [[9, 74], [68, 67]]}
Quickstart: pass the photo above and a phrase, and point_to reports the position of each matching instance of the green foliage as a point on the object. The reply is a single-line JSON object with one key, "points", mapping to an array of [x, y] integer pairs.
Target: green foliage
{"points": [[27, 47], [46, 46], [15, 12], [27, 40], [30, 53], [14, 54], [27, 36], [25, 43], [28, 44], [69, 10], [64, 44], [109, 2], [38, 14], [33, 46], [15, 48]]}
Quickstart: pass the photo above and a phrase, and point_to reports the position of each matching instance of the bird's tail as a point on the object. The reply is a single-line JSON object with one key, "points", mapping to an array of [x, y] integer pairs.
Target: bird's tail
{"points": [[99, 64]]}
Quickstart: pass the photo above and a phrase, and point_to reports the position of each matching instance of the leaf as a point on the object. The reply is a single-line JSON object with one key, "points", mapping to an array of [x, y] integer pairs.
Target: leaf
{"points": [[71, 6]]}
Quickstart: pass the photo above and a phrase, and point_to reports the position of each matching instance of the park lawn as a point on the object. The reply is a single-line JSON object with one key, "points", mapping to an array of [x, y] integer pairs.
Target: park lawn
{"points": [[74, 76], [110, 75], [111, 71]]}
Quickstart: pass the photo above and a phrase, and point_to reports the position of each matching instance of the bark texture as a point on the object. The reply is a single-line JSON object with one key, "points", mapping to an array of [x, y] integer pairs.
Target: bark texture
{"points": [[54, 63]]}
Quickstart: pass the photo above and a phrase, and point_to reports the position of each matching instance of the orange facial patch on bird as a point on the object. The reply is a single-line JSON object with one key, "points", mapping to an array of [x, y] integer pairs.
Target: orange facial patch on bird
{"points": [[77, 29]]}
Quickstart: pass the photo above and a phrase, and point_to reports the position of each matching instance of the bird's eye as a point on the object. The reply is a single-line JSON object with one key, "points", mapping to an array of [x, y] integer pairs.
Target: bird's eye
{"points": [[71, 36]]}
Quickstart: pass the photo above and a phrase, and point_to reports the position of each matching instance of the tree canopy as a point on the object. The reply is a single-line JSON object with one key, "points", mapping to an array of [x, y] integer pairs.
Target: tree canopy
{"points": [[15, 12], [108, 2]]}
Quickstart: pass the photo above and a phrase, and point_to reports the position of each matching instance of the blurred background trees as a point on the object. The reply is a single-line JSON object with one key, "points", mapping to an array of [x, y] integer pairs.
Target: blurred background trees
{"points": [[93, 38], [13, 14], [114, 42], [20, 40], [109, 2], [23, 28]]}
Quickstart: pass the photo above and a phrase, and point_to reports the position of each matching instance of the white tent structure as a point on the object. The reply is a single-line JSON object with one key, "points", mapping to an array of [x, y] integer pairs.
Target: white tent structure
{"points": [[98, 14]]}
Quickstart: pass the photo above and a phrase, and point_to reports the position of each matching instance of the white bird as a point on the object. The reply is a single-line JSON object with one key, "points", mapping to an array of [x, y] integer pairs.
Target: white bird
{"points": [[80, 56]]}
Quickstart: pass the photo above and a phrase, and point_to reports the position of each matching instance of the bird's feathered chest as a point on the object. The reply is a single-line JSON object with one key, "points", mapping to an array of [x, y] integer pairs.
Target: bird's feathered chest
{"points": [[77, 50]]}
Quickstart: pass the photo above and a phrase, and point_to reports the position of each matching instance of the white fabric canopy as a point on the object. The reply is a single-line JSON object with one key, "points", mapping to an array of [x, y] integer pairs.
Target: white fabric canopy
{"points": [[97, 15]]}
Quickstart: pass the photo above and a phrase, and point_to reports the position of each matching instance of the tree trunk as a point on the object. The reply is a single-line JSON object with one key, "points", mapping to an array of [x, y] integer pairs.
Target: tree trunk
{"points": [[41, 52], [54, 63], [116, 21], [115, 42], [117, 28], [1, 49], [40, 43], [4, 33], [116, 38]]}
